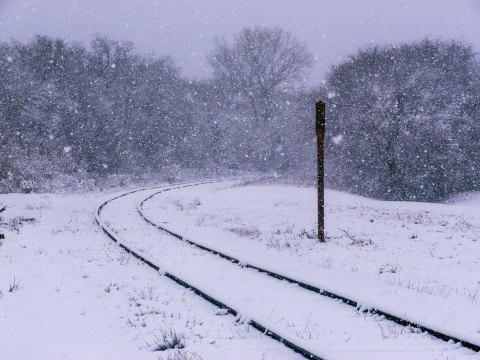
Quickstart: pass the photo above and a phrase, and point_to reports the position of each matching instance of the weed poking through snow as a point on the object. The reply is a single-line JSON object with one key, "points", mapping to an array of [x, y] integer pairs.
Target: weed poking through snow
{"points": [[389, 268], [167, 339], [15, 223], [14, 286], [181, 355], [243, 231]]}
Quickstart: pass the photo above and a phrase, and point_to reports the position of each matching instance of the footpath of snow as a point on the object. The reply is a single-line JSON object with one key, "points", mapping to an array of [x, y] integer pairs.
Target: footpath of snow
{"points": [[417, 260], [79, 296]]}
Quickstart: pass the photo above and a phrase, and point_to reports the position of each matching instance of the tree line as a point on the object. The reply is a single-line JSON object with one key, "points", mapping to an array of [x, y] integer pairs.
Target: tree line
{"points": [[405, 121], [402, 120]]}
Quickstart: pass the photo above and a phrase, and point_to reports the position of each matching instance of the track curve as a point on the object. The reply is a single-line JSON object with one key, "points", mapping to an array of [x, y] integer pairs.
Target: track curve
{"points": [[321, 291], [221, 305]]}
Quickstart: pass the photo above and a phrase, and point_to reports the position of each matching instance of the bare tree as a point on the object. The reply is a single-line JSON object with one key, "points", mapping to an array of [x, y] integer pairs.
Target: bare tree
{"points": [[259, 64]]}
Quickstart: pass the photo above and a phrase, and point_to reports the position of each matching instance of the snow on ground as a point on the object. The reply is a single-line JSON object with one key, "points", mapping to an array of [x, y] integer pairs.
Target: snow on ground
{"points": [[68, 292], [417, 260], [321, 325], [470, 199]]}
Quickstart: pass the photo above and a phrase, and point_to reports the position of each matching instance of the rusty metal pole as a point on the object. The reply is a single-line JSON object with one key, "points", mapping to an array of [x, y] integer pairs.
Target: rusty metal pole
{"points": [[320, 129]]}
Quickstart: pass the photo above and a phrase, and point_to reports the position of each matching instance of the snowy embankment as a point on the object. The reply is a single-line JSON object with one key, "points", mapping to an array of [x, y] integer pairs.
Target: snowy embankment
{"points": [[80, 296], [68, 292], [320, 325], [417, 260]]}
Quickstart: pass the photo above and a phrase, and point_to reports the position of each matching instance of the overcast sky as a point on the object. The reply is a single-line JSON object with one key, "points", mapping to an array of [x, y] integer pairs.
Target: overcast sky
{"points": [[186, 29]]}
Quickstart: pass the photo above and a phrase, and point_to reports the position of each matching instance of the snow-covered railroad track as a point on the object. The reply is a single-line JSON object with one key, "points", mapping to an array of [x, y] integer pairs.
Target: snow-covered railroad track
{"points": [[309, 287], [301, 296], [223, 307]]}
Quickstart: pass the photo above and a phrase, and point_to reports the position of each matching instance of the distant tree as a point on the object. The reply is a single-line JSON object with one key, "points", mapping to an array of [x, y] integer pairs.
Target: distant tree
{"points": [[259, 71], [404, 121], [163, 122], [259, 64]]}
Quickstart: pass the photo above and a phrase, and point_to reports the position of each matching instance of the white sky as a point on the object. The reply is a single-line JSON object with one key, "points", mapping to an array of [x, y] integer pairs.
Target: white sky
{"points": [[186, 29]]}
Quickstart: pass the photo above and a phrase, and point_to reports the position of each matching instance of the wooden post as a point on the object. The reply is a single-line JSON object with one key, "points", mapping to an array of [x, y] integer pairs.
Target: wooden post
{"points": [[320, 129], [2, 236]]}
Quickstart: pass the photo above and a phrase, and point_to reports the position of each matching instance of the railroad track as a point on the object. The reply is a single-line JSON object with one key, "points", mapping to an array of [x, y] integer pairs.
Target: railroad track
{"points": [[220, 304], [330, 294]]}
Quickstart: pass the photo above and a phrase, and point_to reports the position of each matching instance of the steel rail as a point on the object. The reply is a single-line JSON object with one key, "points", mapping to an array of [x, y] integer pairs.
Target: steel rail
{"points": [[330, 294], [230, 310]]}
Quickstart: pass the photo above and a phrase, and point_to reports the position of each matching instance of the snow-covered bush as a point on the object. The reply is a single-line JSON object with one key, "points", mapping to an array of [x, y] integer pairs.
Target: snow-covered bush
{"points": [[403, 121]]}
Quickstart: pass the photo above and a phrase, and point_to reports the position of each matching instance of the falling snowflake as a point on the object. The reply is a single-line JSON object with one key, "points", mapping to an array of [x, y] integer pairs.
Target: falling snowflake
{"points": [[337, 139]]}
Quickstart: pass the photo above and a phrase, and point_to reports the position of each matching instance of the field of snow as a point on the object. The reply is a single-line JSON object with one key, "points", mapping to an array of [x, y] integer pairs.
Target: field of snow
{"points": [[417, 260], [67, 291], [81, 297]]}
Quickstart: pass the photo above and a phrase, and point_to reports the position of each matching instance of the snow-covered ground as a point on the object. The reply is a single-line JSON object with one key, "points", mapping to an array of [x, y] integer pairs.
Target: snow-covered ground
{"points": [[417, 260], [81, 297]]}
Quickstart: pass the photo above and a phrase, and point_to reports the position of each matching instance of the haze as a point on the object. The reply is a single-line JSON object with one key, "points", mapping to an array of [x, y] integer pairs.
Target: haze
{"points": [[186, 29]]}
